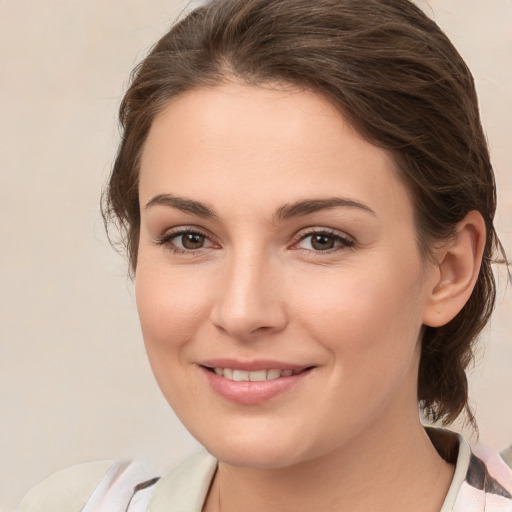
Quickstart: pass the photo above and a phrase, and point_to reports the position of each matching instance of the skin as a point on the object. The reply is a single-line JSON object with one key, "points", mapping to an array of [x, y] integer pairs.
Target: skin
{"points": [[257, 287]]}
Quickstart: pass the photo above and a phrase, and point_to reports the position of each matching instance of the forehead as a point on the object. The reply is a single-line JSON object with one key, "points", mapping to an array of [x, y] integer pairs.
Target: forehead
{"points": [[268, 145]]}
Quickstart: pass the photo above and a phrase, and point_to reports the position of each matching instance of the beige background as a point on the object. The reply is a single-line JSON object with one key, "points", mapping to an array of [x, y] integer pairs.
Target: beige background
{"points": [[75, 384]]}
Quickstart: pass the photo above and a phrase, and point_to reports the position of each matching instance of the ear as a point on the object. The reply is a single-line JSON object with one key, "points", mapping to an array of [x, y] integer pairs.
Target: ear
{"points": [[456, 270]]}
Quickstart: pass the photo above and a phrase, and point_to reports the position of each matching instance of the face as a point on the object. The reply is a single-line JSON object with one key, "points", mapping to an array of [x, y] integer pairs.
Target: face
{"points": [[280, 289]]}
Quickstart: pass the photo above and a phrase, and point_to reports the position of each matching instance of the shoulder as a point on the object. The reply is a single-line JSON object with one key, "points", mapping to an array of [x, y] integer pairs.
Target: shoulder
{"points": [[488, 482], [497, 468], [102, 485], [68, 489], [482, 480], [124, 486]]}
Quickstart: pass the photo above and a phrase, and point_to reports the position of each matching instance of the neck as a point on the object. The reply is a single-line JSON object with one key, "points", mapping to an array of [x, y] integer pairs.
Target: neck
{"points": [[373, 473]]}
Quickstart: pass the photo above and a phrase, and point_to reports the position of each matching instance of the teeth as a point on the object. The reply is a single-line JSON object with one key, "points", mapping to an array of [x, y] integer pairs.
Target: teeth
{"points": [[240, 375], [273, 374], [256, 376]]}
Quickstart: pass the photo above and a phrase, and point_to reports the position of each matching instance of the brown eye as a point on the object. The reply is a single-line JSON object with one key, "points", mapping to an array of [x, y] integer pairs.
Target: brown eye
{"points": [[192, 241], [185, 241], [322, 242]]}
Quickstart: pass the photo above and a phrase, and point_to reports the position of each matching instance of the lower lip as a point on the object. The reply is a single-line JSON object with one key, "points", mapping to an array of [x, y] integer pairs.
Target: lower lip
{"points": [[252, 393]]}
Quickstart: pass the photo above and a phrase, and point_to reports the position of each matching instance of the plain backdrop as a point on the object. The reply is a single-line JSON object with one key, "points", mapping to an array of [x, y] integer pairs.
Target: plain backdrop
{"points": [[75, 383]]}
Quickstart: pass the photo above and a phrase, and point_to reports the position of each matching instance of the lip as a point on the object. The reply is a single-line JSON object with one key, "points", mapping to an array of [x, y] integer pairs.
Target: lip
{"points": [[252, 366], [248, 392]]}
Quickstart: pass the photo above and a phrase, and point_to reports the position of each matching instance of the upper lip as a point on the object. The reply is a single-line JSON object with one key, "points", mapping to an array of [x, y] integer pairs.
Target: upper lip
{"points": [[252, 366]]}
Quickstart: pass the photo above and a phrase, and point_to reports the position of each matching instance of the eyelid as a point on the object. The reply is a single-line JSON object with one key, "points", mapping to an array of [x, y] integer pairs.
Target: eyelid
{"points": [[346, 240], [167, 236]]}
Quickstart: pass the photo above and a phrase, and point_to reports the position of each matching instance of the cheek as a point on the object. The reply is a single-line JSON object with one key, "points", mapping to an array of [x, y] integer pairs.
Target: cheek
{"points": [[171, 308], [369, 316], [171, 314]]}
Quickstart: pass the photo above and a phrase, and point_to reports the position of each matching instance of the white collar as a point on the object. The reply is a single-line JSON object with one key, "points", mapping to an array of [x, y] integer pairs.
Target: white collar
{"points": [[184, 489]]}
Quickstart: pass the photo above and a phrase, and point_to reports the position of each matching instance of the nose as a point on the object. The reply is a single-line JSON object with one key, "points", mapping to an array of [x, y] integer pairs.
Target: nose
{"points": [[249, 300]]}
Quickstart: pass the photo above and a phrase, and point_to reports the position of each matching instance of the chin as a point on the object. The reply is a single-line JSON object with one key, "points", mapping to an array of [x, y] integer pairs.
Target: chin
{"points": [[265, 446], [259, 448], [257, 455]]}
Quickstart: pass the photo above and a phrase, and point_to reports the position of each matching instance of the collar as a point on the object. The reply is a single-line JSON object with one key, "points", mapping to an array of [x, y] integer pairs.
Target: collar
{"points": [[184, 489], [453, 448], [473, 488]]}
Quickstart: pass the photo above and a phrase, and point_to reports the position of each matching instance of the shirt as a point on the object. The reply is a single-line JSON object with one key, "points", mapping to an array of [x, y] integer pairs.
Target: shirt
{"points": [[482, 482]]}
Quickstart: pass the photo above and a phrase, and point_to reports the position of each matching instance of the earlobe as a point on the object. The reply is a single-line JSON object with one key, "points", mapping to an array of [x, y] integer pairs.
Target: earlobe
{"points": [[457, 268]]}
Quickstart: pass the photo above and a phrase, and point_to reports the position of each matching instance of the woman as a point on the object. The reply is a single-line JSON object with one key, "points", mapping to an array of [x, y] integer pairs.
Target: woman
{"points": [[308, 201]]}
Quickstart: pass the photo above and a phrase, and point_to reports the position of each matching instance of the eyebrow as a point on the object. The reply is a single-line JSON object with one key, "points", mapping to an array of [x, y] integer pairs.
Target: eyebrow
{"points": [[184, 205], [309, 206], [287, 211]]}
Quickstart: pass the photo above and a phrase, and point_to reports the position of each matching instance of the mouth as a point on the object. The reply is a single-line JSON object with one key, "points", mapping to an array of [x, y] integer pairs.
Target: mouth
{"points": [[253, 384], [238, 375]]}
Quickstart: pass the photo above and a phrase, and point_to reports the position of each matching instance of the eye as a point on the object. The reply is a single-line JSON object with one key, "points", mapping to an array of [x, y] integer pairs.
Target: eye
{"points": [[185, 240], [323, 241], [189, 241]]}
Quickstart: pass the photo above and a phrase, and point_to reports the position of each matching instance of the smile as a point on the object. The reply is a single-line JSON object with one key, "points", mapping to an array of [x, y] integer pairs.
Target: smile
{"points": [[254, 386], [253, 376]]}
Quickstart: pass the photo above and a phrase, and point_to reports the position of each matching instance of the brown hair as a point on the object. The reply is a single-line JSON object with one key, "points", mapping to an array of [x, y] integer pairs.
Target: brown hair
{"points": [[401, 83]]}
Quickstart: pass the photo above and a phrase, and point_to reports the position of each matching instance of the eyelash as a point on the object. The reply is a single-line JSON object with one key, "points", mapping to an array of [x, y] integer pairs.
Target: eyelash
{"points": [[167, 237], [344, 241]]}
